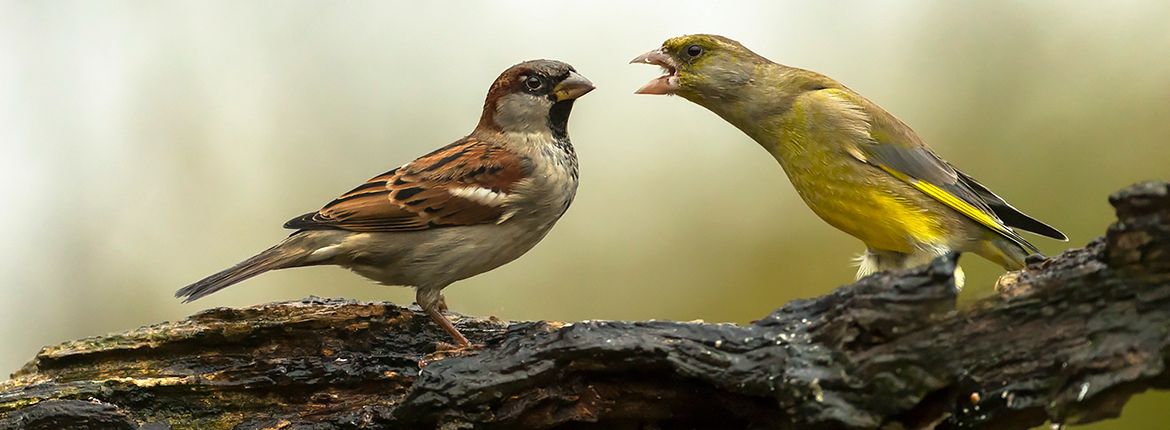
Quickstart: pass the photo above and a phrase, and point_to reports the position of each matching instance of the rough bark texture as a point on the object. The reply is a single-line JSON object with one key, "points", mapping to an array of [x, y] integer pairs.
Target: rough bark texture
{"points": [[1069, 339]]}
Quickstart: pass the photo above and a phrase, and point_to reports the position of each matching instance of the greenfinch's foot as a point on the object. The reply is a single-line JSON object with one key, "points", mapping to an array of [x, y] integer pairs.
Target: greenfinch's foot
{"points": [[1008, 284]]}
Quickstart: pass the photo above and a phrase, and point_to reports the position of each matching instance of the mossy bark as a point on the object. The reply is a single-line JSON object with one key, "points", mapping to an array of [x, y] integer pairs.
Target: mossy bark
{"points": [[1068, 339]]}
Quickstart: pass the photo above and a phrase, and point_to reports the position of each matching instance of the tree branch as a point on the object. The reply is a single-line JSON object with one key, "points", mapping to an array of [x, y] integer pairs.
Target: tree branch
{"points": [[1069, 339]]}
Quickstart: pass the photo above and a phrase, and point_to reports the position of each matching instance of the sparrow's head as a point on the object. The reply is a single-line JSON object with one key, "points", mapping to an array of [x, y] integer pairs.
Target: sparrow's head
{"points": [[700, 66], [532, 97]]}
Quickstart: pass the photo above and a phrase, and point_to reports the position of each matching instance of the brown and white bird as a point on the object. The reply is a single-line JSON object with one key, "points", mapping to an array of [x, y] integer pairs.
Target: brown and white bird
{"points": [[464, 209]]}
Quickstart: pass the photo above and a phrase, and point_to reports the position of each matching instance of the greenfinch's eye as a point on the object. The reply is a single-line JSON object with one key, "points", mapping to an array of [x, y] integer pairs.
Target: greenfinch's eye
{"points": [[533, 83], [694, 51]]}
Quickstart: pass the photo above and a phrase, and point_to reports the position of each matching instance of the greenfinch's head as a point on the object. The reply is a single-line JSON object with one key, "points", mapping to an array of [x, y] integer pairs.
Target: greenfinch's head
{"points": [[699, 66]]}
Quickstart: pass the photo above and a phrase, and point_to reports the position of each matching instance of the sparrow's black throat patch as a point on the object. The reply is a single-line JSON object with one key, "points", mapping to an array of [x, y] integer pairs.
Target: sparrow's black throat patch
{"points": [[558, 119]]}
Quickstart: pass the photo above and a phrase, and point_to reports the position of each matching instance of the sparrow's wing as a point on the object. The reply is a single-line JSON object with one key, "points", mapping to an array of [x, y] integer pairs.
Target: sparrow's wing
{"points": [[465, 183], [894, 148]]}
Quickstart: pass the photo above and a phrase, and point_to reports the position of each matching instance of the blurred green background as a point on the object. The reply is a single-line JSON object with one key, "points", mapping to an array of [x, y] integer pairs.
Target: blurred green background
{"points": [[144, 144]]}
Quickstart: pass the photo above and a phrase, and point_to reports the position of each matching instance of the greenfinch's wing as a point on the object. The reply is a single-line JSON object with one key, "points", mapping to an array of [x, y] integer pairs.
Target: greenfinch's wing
{"points": [[895, 149], [927, 173]]}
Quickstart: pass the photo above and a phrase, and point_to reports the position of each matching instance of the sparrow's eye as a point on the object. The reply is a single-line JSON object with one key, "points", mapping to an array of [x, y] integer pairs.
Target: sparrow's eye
{"points": [[533, 83], [694, 51]]}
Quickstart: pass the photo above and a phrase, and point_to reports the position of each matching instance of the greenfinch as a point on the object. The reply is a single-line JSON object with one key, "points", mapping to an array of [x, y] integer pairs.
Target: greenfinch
{"points": [[855, 165]]}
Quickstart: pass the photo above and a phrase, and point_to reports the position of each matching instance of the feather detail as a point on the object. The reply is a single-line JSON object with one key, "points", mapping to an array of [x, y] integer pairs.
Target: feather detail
{"points": [[891, 146], [481, 195], [464, 183]]}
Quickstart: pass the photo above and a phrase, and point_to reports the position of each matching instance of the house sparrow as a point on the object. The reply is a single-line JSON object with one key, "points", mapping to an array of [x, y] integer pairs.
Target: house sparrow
{"points": [[461, 210], [855, 165]]}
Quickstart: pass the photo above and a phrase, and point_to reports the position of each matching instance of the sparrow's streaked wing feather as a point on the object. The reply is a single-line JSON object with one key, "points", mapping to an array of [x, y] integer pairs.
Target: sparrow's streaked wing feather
{"points": [[464, 183]]}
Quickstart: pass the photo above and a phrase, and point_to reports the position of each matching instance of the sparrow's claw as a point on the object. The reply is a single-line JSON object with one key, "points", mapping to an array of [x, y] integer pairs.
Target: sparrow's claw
{"points": [[444, 350]]}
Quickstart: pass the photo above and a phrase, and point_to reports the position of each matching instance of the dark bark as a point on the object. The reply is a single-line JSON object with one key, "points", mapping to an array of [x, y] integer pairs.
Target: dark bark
{"points": [[1068, 339]]}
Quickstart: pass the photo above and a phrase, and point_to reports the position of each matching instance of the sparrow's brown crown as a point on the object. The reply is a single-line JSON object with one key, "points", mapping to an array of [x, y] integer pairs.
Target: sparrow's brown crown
{"points": [[530, 93]]}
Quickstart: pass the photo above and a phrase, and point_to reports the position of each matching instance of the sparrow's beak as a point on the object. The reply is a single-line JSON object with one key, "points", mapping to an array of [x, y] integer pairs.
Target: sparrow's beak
{"points": [[572, 87], [665, 84]]}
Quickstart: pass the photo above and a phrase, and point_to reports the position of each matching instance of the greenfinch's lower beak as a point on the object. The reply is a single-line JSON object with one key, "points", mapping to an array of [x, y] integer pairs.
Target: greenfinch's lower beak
{"points": [[665, 84], [572, 87]]}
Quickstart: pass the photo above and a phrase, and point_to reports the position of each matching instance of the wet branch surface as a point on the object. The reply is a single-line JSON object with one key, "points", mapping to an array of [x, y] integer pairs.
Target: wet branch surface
{"points": [[1068, 339]]}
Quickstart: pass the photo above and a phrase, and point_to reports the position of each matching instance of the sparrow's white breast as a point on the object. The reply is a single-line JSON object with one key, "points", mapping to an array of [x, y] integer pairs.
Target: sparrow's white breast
{"points": [[550, 188]]}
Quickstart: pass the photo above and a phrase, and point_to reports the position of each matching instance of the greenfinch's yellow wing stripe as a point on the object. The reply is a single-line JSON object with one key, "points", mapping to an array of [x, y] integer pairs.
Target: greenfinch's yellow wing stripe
{"points": [[958, 204], [949, 200]]}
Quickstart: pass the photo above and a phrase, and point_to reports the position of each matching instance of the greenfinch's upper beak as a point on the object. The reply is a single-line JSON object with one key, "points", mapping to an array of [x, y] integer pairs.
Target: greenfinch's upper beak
{"points": [[572, 87], [665, 84]]}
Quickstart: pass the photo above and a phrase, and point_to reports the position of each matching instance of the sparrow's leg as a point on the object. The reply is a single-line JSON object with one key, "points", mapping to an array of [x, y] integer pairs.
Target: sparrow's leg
{"points": [[431, 301]]}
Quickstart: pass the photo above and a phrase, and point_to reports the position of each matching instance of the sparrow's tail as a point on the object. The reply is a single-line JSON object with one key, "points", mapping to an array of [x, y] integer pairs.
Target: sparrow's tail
{"points": [[292, 252]]}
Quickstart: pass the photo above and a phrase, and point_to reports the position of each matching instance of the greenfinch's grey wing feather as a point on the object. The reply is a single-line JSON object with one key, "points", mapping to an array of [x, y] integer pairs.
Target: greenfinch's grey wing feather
{"points": [[920, 163]]}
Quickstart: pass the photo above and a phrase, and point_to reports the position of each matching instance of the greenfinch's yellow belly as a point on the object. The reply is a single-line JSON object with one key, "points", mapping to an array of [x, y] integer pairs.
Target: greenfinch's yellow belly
{"points": [[860, 200]]}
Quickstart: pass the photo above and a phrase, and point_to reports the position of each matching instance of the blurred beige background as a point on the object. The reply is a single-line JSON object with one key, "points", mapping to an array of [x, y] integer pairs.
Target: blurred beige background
{"points": [[146, 144]]}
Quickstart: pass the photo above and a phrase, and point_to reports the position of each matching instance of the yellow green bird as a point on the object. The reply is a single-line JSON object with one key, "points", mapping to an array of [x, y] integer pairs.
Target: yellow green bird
{"points": [[855, 165]]}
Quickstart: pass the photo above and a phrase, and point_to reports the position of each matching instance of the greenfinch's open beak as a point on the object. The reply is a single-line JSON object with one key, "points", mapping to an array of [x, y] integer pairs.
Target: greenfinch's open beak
{"points": [[572, 87], [665, 84]]}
